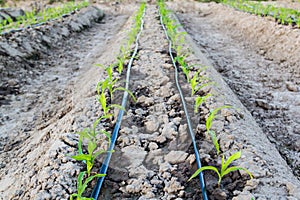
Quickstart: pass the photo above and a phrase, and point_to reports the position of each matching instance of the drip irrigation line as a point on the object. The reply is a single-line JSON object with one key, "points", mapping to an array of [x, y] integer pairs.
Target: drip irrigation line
{"points": [[201, 177], [104, 167]]}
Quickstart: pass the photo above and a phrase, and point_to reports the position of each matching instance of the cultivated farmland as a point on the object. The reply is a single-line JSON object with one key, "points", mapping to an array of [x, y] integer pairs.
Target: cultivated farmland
{"points": [[150, 100]]}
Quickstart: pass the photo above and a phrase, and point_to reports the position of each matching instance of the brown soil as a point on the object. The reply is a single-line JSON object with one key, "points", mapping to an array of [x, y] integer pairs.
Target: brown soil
{"points": [[53, 96], [262, 71]]}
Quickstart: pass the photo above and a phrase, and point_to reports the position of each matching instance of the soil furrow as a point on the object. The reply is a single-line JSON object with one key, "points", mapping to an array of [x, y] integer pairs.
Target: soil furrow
{"points": [[37, 125], [153, 137], [265, 80], [153, 158]]}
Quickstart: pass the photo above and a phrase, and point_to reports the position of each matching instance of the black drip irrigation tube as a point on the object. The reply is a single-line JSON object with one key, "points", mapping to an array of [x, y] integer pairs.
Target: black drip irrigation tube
{"points": [[201, 177], [104, 167]]}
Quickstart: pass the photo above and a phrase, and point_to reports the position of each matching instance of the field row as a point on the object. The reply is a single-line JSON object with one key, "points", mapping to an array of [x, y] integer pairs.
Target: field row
{"points": [[282, 15], [34, 18]]}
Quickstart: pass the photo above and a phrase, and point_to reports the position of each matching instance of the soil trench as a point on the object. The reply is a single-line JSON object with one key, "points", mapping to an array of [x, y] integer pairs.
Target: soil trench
{"points": [[153, 139], [259, 71], [38, 122], [153, 157]]}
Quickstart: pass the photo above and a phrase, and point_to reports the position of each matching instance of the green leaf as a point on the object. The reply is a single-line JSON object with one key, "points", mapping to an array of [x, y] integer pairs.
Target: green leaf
{"points": [[107, 134], [89, 165], [89, 179], [85, 133], [73, 195], [91, 147], [236, 168], [199, 101], [212, 116], [203, 85], [97, 153], [79, 179], [215, 140], [205, 168], [232, 158], [82, 157], [117, 106], [128, 91], [103, 103]]}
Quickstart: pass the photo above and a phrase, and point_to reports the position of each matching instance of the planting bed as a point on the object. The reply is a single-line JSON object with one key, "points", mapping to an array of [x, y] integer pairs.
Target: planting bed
{"points": [[263, 72], [48, 93]]}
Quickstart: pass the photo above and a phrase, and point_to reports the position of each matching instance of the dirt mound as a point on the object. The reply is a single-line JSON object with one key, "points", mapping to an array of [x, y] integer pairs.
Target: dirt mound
{"points": [[56, 99], [20, 51], [259, 61]]}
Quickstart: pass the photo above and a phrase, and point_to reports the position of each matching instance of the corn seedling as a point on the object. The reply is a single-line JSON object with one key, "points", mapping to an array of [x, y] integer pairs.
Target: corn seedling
{"points": [[225, 169], [194, 82], [82, 185], [199, 100], [91, 136], [209, 122], [184, 66], [102, 100], [212, 116]]}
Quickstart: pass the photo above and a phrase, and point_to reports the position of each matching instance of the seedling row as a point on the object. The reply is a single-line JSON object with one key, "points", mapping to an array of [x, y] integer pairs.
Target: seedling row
{"points": [[282, 15], [195, 76], [35, 18], [91, 140], [96, 135]]}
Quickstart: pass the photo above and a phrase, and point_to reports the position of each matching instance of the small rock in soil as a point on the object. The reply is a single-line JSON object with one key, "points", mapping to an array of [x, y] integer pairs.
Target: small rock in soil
{"points": [[175, 157], [292, 87], [151, 124]]}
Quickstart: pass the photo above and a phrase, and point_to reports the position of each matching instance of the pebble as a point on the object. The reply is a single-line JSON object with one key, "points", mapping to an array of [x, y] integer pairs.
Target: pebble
{"points": [[160, 139], [191, 159], [152, 146], [12, 82], [292, 87], [173, 186], [263, 104], [297, 145], [169, 131], [175, 157], [147, 101], [151, 124]]}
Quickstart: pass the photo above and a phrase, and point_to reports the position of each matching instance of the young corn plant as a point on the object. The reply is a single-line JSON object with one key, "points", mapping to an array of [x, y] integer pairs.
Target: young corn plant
{"points": [[208, 124], [225, 168], [90, 135], [82, 185], [199, 100], [102, 98], [184, 66]]}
